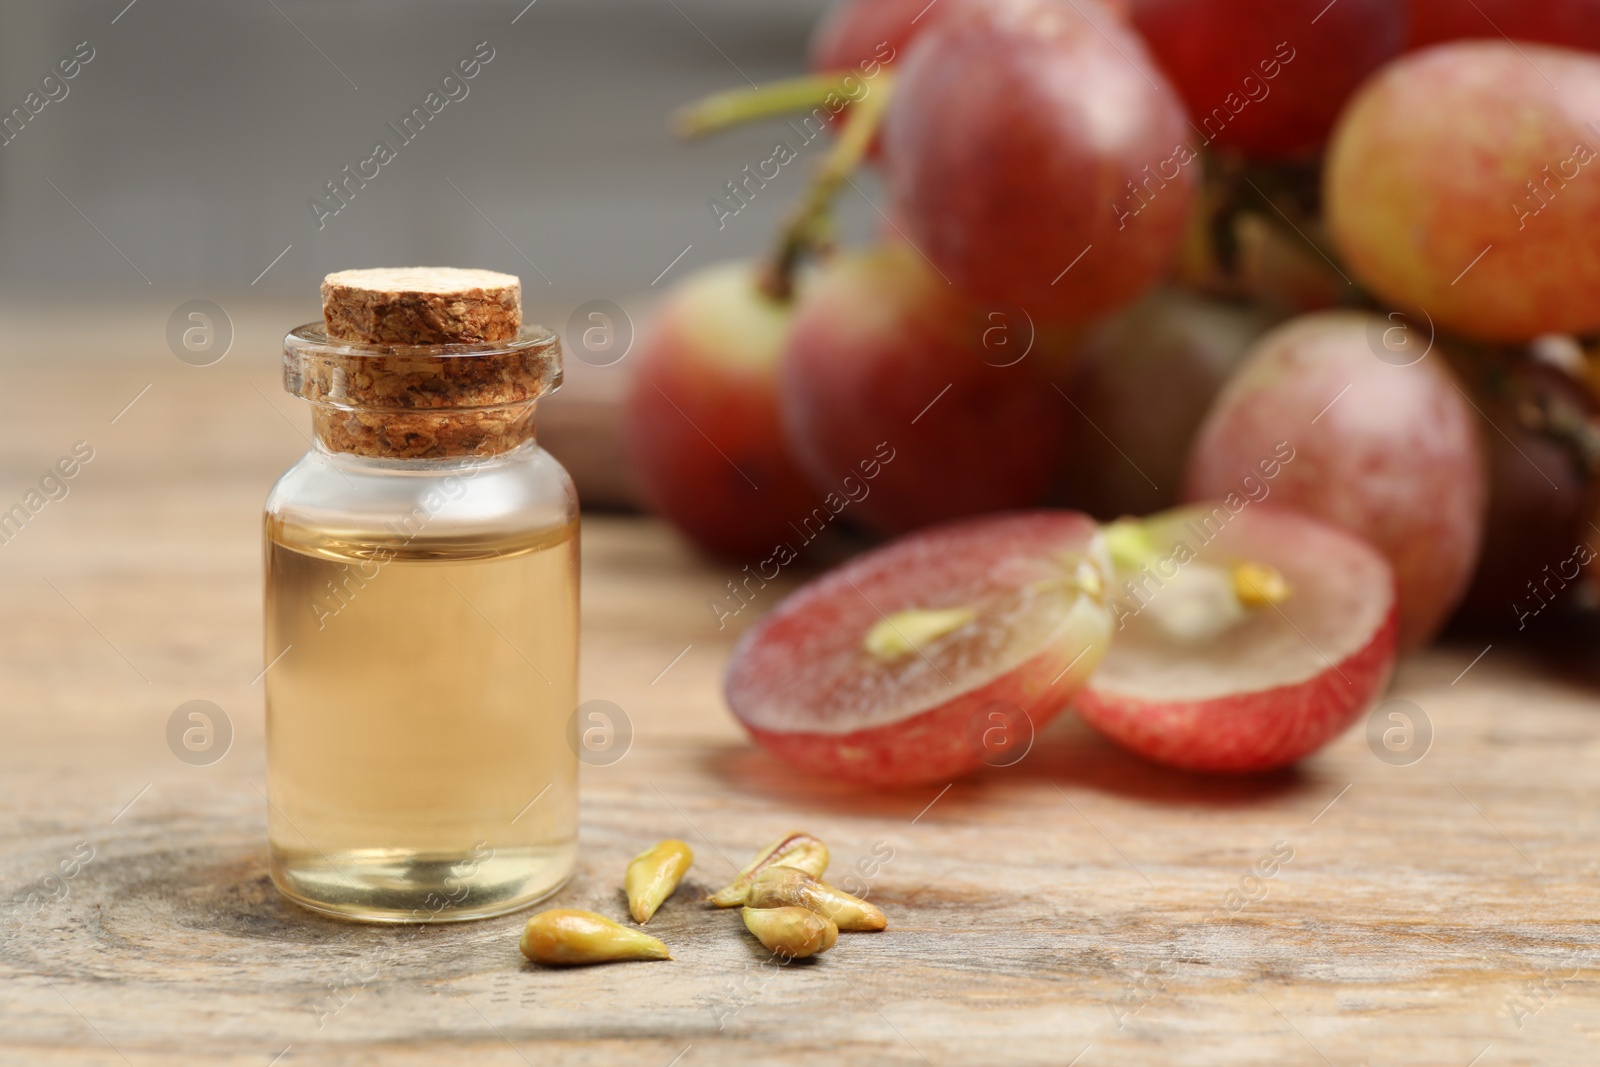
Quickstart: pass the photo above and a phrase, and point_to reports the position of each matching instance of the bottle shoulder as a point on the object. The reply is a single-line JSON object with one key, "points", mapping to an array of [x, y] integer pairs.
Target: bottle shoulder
{"points": [[514, 493]]}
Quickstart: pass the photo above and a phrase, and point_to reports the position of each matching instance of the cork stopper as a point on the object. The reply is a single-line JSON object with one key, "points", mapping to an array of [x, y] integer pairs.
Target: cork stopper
{"points": [[422, 363], [421, 305]]}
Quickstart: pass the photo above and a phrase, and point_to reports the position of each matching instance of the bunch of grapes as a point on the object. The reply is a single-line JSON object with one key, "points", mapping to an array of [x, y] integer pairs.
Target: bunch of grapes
{"points": [[1322, 274]]}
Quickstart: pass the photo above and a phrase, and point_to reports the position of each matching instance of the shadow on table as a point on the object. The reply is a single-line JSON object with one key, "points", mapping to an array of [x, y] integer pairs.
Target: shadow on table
{"points": [[1067, 756], [1565, 650]]}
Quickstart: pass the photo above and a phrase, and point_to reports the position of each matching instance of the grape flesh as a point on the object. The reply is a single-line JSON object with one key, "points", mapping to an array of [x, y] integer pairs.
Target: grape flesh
{"points": [[806, 684], [1195, 679]]}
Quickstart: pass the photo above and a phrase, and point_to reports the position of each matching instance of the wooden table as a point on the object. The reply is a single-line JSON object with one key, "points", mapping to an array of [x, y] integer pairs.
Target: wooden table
{"points": [[1079, 907]]}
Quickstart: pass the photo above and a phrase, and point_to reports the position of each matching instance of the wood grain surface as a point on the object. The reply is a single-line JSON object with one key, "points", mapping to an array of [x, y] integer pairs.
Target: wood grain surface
{"points": [[1078, 907]]}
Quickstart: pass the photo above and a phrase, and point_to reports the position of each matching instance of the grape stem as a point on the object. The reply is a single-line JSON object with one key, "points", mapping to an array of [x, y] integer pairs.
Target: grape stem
{"points": [[1284, 197], [735, 107], [1547, 415], [811, 225]]}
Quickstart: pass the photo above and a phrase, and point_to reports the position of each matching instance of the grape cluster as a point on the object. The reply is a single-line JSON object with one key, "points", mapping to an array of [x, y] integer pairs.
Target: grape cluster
{"points": [[1128, 247]]}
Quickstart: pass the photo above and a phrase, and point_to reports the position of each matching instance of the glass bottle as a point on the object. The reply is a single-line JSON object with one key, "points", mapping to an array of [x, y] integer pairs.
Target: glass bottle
{"points": [[421, 631]]}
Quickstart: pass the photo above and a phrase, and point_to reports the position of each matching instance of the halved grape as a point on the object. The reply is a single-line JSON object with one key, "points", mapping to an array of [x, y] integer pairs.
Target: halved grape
{"points": [[928, 657], [1323, 416], [1213, 666]]}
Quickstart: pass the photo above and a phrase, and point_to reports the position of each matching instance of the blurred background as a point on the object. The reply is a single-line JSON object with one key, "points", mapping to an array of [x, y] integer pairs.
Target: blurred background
{"points": [[184, 158], [203, 154], [196, 136], [179, 166]]}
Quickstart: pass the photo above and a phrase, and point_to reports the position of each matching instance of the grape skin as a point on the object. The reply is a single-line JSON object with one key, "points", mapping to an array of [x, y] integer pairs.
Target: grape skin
{"points": [[1568, 23], [882, 352], [1463, 185], [1392, 453], [1268, 77], [1039, 158]]}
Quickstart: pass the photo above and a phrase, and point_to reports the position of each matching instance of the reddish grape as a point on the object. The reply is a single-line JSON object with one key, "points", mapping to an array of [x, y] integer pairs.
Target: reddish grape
{"points": [[1381, 442], [1464, 185], [1019, 624], [1543, 492], [1202, 678], [860, 36], [854, 33], [1038, 157], [1128, 438], [702, 415], [1568, 23], [1268, 77], [888, 370]]}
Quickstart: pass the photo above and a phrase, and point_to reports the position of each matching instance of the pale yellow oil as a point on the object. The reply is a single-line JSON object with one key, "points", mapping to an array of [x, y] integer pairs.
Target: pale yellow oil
{"points": [[417, 754]]}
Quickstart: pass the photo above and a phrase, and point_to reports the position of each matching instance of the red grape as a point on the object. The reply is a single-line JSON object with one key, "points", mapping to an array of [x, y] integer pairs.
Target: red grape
{"points": [[1569, 23], [1019, 623], [858, 36], [1128, 437], [1464, 185], [1543, 492], [702, 415], [1268, 77], [887, 368], [856, 32], [1380, 442], [1202, 678], [1037, 157]]}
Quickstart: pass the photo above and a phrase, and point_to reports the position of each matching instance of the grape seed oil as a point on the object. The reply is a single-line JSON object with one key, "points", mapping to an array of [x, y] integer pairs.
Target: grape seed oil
{"points": [[421, 609], [417, 724]]}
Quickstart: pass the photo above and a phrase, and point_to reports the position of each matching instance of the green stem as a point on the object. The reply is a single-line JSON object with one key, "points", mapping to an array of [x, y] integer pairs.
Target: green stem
{"points": [[735, 107], [811, 224]]}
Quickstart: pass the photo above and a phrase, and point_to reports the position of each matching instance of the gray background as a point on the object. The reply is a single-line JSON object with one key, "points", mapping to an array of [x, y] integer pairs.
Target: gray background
{"points": [[199, 132]]}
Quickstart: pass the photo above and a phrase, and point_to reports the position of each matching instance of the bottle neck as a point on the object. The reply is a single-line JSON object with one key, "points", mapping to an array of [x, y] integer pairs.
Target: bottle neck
{"points": [[423, 434], [428, 402]]}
